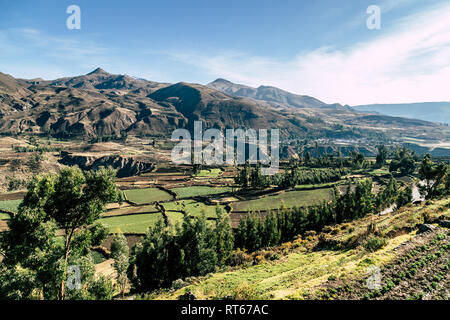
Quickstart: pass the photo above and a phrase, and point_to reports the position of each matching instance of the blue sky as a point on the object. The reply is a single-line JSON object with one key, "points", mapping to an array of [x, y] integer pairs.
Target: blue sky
{"points": [[320, 48]]}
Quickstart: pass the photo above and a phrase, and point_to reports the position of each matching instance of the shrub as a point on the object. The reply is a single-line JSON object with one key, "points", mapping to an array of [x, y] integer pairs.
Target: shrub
{"points": [[426, 216], [239, 257], [258, 259], [327, 229], [276, 256], [245, 291], [178, 284], [335, 231], [311, 233], [375, 243]]}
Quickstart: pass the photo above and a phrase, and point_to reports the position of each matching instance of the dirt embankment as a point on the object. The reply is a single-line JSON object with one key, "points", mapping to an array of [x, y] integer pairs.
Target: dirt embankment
{"points": [[125, 166]]}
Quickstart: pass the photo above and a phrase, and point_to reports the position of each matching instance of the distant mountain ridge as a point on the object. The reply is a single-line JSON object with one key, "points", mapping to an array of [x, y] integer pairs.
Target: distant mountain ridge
{"points": [[101, 104], [100, 79], [272, 95], [428, 111]]}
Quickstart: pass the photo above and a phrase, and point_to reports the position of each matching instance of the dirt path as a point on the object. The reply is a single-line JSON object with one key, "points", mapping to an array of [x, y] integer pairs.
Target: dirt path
{"points": [[416, 193], [106, 268]]}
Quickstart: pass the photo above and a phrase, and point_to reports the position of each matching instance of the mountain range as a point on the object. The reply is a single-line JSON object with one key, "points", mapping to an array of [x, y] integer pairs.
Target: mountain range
{"points": [[272, 95], [104, 104], [429, 111]]}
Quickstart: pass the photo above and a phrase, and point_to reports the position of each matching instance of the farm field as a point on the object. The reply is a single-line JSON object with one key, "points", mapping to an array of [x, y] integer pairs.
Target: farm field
{"points": [[16, 195], [174, 217], [4, 216], [147, 195], [10, 205], [192, 208], [130, 210], [289, 199], [197, 191], [209, 173], [317, 186], [136, 223]]}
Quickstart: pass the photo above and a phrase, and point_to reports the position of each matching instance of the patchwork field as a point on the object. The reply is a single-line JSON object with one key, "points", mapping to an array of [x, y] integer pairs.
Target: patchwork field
{"points": [[288, 199], [192, 208], [174, 217], [4, 216], [147, 195], [130, 210], [136, 223], [10, 205], [209, 173], [197, 191]]}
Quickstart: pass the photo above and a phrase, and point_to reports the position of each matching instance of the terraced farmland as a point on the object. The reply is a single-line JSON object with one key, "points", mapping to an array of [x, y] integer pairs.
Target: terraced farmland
{"points": [[289, 199], [10, 205], [4, 216], [209, 173], [192, 207], [197, 191], [136, 223], [147, 195], [130, 210]]}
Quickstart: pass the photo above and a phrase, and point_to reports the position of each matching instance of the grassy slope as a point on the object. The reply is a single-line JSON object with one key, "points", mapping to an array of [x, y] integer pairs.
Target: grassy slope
{"points": [[297, 274]]}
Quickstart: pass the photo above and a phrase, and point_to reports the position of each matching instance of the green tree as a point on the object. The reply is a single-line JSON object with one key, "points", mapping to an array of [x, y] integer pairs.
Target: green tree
{"points": [[70, 201], [381, 156], [224, 237], [155, 262], [389, 195], [120, 252], [243, 177], [404, 197], [357, 159], [434, 176], [271, 234], [403, 162], [307, 158]]}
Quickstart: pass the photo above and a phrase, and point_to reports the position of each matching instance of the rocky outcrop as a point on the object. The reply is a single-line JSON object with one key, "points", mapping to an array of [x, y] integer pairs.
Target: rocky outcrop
{"points": [[426, 228], [444, 223], [125, 166]]}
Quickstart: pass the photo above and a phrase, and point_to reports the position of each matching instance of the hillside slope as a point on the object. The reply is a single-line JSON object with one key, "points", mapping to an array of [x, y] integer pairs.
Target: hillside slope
{"points": [[272, 95], [309, 266], [104, 104]]}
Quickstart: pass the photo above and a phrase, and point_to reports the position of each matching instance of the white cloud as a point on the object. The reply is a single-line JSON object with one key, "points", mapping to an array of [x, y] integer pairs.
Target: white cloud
{"points": [[38, 54], [408, 63]]}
